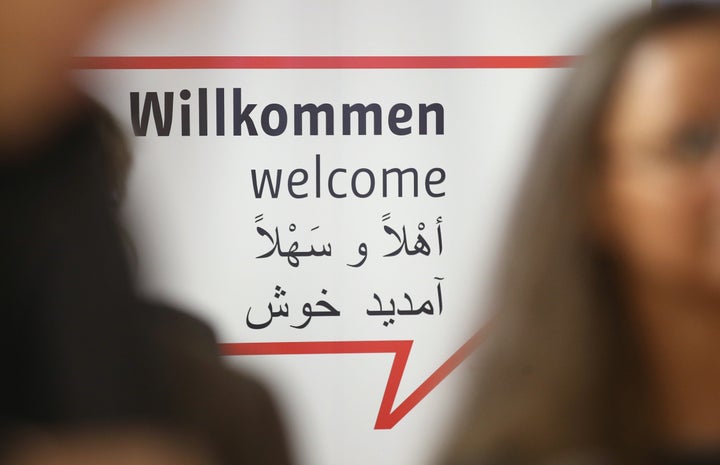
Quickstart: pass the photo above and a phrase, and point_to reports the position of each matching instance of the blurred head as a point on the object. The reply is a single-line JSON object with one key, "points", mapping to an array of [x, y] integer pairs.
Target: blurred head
{"points": [[37, 41], [623, 193], [659, 193]]}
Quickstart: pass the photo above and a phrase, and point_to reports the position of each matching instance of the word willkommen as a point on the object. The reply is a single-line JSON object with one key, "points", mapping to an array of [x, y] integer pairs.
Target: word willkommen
{"points": [[275, 119]]}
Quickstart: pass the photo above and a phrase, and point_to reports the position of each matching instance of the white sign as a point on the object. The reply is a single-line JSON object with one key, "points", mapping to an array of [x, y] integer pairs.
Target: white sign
{"points": [[326, 183]]}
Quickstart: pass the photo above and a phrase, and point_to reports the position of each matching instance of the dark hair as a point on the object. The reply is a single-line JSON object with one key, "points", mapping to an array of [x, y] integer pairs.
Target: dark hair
{"points": [[113, 145], [560, 372]]}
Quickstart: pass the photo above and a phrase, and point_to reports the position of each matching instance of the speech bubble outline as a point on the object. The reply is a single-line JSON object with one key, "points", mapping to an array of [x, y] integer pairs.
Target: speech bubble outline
{"points": [[387, 417]]}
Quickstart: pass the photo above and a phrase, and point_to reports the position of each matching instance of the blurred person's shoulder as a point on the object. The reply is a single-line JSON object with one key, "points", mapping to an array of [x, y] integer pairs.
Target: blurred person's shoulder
{"points": [[581, 458], [235, 411], [564, 458], [170, 324]]}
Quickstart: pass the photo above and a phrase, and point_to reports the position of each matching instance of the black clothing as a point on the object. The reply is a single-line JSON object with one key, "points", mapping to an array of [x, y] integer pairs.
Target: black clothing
{"points": [[78, 347]]}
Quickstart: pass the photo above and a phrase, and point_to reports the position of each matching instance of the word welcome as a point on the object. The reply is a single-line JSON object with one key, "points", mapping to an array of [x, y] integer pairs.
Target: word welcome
{"points": [[300, 183]]}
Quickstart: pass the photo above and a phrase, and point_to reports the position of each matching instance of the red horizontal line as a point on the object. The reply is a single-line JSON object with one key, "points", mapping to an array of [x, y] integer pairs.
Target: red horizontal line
{"points": [[387, 417], [315, 347], [321, 62]]}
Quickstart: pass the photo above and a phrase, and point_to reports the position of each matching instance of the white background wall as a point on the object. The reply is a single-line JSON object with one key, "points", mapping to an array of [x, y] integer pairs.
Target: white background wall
{"points": [[192, 210]]}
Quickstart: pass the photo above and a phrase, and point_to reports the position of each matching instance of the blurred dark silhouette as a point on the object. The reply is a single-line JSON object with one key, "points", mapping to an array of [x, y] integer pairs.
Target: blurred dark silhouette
{"points": [[92, 372], [82, 351], [605, 344]]}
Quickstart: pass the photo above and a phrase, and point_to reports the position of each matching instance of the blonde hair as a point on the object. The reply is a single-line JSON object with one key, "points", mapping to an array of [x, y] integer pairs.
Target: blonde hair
{"points": [[560, 373]]}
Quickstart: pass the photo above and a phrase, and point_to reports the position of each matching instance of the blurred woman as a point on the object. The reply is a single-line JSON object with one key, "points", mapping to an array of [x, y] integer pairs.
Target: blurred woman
{"points": [[606, 342]]}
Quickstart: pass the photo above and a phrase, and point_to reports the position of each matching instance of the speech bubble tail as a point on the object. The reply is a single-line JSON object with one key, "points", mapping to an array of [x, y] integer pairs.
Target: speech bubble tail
{"points": [[387, 417]]}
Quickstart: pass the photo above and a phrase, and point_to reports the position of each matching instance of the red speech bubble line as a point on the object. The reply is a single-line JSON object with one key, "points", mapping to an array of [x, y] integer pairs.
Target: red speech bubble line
{"points": [[322, 62], [387, 417]]}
